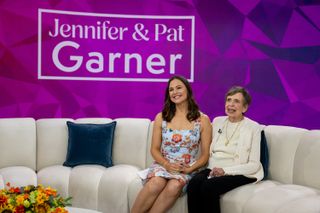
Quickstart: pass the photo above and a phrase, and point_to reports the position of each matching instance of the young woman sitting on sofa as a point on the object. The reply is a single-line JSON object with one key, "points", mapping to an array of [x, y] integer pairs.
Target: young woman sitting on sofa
{"points": [[180, 130], [234, 155]]}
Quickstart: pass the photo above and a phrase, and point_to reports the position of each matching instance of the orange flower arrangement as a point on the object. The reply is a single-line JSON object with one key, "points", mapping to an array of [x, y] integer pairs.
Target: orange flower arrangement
{"points": [[32, 199]]}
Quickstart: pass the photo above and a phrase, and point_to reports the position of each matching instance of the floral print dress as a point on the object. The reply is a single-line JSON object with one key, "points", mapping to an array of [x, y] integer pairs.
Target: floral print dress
{"points": [[177, 146]]}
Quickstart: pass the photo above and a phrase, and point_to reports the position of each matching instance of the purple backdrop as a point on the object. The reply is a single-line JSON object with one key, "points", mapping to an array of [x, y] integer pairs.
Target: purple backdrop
{"points": [[272, 47]]}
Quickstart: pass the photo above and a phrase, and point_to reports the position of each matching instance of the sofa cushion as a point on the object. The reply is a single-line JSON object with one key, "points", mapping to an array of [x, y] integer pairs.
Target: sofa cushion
{"points": [[273, 199], [264, 155], [113, 188], [235, 200], [90, 144], [283, 142], [84, 184], [130, 137], [306, 170], [18, 142], [52, 142], [1, 182], [309, 204], [18, 176], [57, 177]]}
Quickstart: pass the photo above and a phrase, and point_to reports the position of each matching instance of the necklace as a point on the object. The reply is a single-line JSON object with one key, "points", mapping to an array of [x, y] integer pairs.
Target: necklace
{"points": [[234, 131]]}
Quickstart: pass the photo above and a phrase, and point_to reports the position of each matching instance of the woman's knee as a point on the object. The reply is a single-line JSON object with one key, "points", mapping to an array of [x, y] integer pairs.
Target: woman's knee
{"points": [[174, 187], [156, 184]]}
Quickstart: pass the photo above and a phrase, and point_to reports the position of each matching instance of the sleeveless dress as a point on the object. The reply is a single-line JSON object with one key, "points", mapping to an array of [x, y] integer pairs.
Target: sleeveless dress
{"points": [[177, 146]]}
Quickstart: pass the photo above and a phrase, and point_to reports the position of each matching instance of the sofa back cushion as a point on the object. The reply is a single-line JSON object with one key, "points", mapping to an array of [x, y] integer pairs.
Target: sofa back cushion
{"points": [[52, 142], [18, 142], [264, 155], [307, 160], [148, 151], [52, 139], [129, 144], [283, 142], [130, 141]]}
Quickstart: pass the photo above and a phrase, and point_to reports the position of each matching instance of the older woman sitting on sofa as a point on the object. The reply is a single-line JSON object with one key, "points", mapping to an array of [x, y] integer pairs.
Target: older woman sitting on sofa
{"points": [[235, 155]]}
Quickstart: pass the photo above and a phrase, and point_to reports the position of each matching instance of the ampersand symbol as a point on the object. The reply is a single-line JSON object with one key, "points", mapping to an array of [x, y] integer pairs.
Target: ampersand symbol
{"points": [[138, 35]]}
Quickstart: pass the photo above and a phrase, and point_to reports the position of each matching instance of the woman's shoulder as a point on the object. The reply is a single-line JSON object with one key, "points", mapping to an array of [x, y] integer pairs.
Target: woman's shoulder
{"points": [[251, 123], [158, 119], [158, 116], [204, 116], [203, 119], [219, 119]]}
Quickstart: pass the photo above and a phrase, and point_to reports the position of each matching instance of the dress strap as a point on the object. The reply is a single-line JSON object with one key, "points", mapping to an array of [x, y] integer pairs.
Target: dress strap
{"points": [[164, 124], [197, 124]]}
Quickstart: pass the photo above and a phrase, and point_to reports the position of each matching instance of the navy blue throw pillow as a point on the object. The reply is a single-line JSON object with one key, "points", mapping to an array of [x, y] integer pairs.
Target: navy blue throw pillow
{"points": [[90, 144], [264, 154]]}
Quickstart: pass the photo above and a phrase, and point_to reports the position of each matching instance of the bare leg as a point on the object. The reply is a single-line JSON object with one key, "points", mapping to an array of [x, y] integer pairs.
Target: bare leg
{"points": [[148, 195], [167, 197]]}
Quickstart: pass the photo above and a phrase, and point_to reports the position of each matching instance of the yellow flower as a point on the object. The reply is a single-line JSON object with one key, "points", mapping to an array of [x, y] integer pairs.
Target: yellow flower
{"points": [[7, 208], [19, 200], [26, 203], [42, 197], [43, 208]]}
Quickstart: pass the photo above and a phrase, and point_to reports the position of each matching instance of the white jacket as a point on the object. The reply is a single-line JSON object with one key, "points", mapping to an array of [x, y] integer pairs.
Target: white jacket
{"points": [[247, 155]]}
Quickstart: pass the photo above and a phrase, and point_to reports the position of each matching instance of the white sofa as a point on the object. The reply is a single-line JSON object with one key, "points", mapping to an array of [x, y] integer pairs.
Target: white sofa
{"points": [[32, 152]]}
